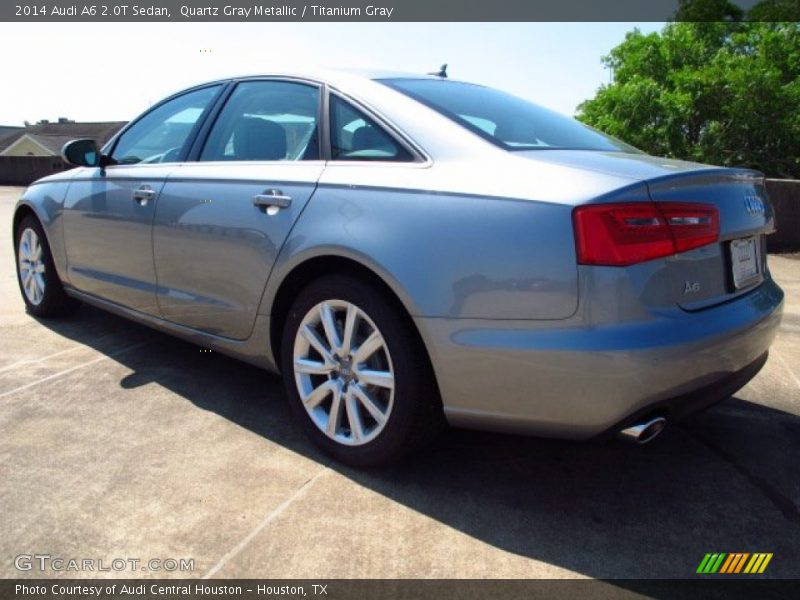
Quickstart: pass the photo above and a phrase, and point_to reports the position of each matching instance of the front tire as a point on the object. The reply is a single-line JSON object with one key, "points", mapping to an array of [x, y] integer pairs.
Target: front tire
{"points": [[357, 377], [38, 280]]}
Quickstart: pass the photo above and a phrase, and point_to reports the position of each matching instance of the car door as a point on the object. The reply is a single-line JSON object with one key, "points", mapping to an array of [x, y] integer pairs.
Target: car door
{"points": [[221, 221], [108, 212]]}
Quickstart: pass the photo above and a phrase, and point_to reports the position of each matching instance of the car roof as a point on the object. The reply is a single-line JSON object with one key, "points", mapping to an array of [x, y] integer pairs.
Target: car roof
{"points": [[331, 76], [429, 131]]}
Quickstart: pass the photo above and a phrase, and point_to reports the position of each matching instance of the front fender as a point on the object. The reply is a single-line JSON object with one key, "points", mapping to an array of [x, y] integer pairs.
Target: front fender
{"points": [[46, 200]]}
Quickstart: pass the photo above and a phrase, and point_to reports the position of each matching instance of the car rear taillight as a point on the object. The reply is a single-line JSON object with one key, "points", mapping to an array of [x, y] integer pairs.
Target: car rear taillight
{"points": [[692, 225], [630, 233]]}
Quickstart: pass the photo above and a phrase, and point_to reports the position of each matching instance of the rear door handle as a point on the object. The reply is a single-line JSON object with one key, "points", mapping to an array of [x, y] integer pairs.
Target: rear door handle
{"points": [[271, 198], [144, 194]]}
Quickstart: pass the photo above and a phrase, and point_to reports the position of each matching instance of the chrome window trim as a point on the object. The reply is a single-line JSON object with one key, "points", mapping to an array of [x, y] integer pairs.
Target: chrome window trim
{"points": [[199, 144], [421, 158], [109, 147]]}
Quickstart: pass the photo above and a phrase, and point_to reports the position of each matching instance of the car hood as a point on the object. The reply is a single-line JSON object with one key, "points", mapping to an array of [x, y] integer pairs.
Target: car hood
{"points": [[639, 167]]}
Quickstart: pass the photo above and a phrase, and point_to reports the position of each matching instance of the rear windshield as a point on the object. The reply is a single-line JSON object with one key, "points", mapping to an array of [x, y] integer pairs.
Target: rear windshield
{"points": [[505, 120]]}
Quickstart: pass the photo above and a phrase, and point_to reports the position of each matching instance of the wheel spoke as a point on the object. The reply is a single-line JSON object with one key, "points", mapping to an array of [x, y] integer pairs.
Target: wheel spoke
{"points": [[367, 402], [25, 244], [335, 414], [39, 284], [312, 367], [329, 325], [368, 348], [29, 289], [353, 416], [34, 292], [313, 338], [349, 329], [384, 379], [318, 394]]}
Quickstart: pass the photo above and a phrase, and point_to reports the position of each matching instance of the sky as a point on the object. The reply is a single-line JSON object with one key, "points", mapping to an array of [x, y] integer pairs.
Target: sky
{"points": [[113, 71]]}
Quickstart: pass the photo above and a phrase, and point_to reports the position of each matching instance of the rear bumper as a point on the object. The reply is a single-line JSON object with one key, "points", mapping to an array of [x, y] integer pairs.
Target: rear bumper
{"points": [[697, 400], [566, 379]]}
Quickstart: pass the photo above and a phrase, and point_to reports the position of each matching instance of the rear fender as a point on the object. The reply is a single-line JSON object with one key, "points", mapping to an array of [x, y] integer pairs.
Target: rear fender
{"points": [[445, 255]]}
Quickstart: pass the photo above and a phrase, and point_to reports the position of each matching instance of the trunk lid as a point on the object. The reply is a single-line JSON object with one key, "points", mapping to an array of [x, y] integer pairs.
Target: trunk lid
{"points": [[640, 167], [735, 264], [702, 277]]}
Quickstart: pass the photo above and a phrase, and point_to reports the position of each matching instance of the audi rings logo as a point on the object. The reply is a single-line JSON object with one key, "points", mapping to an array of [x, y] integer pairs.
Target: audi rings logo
{"points": [[754, 205]]}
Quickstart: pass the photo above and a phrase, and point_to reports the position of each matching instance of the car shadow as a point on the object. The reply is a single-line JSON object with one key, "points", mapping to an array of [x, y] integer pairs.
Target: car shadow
{"points": [[726, 480]]}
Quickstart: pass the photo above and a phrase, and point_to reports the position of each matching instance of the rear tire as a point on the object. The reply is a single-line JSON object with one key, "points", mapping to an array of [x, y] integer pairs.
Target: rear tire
{"points": [[350, 351], [38, 280]]}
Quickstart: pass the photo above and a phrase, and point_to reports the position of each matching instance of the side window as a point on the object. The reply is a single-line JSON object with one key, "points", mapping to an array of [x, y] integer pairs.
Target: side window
{"points": [[160, 135], [354, 136], [266, 120]]}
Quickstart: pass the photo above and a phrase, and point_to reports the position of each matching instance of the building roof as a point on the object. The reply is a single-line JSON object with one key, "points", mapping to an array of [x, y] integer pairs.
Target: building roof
{"points": [[53, 136], [9, 129], [100, 131], [53, 143], [9, 135]]}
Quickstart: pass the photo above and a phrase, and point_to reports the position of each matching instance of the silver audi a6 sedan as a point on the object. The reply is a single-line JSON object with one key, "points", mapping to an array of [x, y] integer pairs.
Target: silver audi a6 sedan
{"points": [[411, 251]]}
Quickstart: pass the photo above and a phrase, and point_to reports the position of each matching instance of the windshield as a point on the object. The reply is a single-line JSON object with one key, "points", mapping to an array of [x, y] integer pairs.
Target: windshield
{"points": [[505, 120]]}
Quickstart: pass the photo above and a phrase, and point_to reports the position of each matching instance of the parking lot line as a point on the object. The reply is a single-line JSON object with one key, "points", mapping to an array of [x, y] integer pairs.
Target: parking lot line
{"points": [[301, 491], [33, 361], [75, 368]]}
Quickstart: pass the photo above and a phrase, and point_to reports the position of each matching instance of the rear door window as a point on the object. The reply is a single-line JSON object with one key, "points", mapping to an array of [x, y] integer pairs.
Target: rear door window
{"points": [[266, 120]]}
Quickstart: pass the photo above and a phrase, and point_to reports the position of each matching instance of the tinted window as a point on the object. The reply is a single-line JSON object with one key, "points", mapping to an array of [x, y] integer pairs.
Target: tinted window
{"points": [[354, 136], [266, 120], [160, 135], [505, 120]]}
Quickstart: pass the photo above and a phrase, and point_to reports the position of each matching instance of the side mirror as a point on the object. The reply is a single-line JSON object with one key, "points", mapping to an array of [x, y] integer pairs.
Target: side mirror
{"points": [[81, 153]]}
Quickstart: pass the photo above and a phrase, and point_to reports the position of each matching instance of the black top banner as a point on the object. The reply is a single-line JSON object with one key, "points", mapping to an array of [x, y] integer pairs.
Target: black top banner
{"points": [[380, 11]]}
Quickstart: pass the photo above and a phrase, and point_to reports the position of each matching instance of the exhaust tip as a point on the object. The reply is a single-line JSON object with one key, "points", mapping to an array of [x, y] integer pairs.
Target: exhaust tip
{"points": [[646, 431]]}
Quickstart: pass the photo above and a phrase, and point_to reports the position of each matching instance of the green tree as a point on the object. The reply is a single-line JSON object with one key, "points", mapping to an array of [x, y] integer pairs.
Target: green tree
{"points": [[775, 10], [726, 93], [708, 10]]}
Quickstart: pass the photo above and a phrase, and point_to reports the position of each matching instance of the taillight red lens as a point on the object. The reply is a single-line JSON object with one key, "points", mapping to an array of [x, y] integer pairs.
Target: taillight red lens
{"points": [[630, 233]]}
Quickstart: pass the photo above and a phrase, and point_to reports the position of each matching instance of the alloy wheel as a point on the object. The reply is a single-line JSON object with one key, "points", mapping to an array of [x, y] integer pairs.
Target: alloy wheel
{"points": [[343, 372], [31, 266]]}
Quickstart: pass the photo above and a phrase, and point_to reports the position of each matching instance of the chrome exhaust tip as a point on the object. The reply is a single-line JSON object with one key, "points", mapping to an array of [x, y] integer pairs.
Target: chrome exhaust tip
{"points": [[646, 431]]}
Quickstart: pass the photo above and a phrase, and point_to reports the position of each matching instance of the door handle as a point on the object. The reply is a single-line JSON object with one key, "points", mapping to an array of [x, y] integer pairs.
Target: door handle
{"points": [[144, 194], [272, 198]]}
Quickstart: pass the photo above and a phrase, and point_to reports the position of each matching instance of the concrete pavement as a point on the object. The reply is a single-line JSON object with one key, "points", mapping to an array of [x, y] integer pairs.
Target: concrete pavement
{"points": [[120, 442]]}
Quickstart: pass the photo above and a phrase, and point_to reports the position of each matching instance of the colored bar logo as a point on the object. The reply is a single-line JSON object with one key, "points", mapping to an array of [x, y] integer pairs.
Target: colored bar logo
{"points": [[734, 563]]}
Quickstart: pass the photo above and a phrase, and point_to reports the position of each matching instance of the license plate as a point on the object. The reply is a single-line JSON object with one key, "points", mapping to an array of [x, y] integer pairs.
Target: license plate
{"points": [[744, 260]]}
